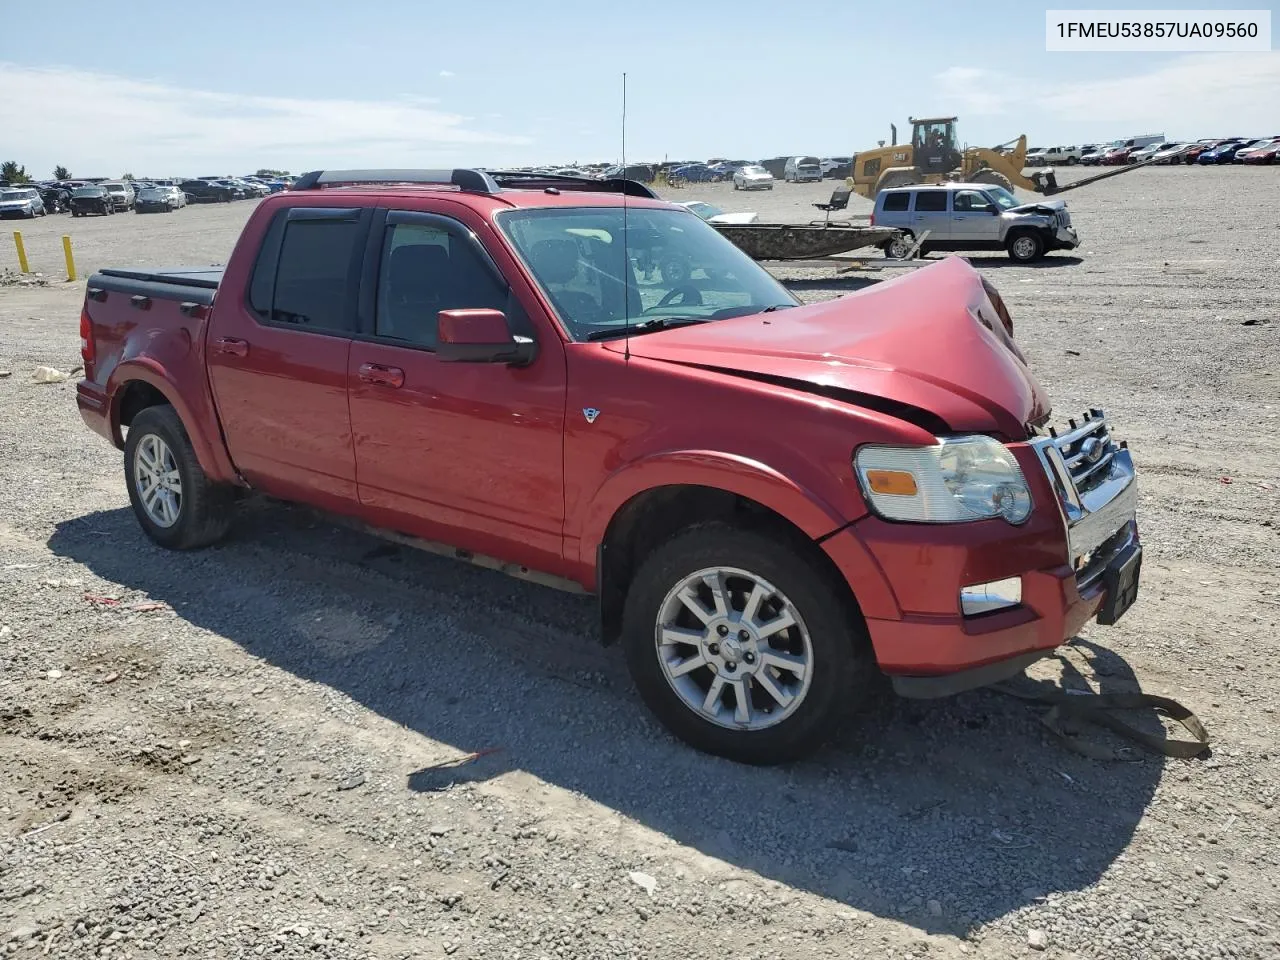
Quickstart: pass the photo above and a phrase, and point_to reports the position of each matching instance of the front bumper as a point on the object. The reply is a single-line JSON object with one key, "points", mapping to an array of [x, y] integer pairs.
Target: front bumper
{"points": [[1067, 554], [1065, 238]]}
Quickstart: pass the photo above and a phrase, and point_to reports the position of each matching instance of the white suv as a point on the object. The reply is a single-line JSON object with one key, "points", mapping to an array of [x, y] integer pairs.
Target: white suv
{"points": [[972, 216]]}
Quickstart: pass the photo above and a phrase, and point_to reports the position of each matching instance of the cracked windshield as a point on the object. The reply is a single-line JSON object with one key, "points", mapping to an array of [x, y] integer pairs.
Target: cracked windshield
{"points": [[679, 270]]}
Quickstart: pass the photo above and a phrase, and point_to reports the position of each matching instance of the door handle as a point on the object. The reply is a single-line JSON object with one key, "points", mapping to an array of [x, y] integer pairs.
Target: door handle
{"points": [[382, 376], [237, 348]]}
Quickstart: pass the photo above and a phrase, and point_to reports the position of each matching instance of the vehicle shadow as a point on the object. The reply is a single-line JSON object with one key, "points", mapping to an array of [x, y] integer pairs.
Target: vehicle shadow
{"points": [[1050, 261], [940, 814]]}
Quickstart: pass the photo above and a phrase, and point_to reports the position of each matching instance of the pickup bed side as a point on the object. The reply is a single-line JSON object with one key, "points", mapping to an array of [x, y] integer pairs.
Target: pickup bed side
{"points": [[143, 341]]}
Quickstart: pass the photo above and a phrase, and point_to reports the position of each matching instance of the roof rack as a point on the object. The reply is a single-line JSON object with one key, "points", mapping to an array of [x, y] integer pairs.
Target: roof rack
{"points": [[472, 181], [561, 181]]}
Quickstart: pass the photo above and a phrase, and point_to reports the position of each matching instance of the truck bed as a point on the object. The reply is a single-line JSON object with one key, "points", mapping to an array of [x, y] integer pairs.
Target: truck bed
{"points": [[188, 284]]}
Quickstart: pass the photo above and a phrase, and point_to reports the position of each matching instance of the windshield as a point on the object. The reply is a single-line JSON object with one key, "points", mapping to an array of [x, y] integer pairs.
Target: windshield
{"points": [[678, 268], [10, 195], [149, 192], [1003, 198], [86, 191], [754, 170]]}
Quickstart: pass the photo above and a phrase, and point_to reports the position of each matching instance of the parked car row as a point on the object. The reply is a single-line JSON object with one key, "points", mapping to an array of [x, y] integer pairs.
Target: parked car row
{"points": [[104, 197], [1206, 152]]}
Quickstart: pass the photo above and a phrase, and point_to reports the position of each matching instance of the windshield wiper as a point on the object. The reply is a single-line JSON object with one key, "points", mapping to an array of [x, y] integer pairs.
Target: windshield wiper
{"points": [[646, 326]]}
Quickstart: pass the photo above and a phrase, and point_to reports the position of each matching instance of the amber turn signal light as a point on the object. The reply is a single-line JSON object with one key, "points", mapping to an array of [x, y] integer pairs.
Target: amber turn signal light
{"points": [[897, 483]]}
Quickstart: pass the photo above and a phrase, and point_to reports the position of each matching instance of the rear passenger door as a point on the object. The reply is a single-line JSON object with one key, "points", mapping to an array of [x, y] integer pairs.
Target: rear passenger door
{"points": [[929, 212], [277, 358], [470, 454]]}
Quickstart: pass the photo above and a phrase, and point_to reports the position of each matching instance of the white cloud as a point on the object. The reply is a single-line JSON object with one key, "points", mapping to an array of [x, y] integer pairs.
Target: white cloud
{"points": [[447, 73], [972, 91], [101, 124], [1231, 94], [1235, 94]]}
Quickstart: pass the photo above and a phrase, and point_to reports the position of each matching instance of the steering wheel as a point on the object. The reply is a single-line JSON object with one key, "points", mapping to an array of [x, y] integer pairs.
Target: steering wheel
{"points": [[688, 294]]}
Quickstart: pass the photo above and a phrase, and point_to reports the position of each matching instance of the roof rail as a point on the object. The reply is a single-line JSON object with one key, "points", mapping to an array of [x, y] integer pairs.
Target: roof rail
{"points": [[521, 178], [474, 181]]}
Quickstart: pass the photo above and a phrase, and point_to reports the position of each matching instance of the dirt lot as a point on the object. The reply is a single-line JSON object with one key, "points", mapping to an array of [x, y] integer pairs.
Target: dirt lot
{"points": [[254, 766]]}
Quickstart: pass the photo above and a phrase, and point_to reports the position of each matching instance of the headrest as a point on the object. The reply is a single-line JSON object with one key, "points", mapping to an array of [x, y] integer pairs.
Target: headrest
{"points": [[555, 261]]}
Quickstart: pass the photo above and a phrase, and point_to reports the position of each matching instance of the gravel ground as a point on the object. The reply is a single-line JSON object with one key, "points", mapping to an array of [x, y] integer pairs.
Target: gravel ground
{"points": [[253, 749]]}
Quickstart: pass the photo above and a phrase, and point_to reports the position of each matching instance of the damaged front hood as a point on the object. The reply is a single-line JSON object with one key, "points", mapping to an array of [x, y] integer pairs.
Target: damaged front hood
{"points": [[927, 347], [1047, 207]]}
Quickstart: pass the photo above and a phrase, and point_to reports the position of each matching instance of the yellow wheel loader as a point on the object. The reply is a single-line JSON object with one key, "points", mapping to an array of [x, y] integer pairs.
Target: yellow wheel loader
{"points": [[932, 156]]}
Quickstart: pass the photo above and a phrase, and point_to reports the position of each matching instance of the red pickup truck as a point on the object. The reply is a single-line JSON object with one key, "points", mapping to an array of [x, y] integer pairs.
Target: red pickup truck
{"points": [[577, 383]]}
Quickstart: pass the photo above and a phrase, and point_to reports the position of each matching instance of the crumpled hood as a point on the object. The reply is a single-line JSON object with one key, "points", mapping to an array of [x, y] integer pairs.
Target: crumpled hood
{"points": [[927, 346], [1048, 206]]}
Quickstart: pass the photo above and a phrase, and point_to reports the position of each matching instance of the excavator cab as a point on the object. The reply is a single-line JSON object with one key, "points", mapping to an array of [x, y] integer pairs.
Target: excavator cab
{"points": [[933, 145]]}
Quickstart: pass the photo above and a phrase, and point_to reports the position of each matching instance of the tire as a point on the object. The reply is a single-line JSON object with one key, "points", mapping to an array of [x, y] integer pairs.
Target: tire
{"points": [[201, 510], [827, 638], [1025, 246], [896, 248], [996, 179], [1071, 161]]}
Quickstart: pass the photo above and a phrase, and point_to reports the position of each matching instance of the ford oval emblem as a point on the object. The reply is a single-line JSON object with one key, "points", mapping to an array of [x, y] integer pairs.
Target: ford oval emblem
{"points": [[1092, 450]]}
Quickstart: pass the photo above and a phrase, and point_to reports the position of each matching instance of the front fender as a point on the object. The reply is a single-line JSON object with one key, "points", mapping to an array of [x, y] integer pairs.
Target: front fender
{"points": [[757, 481], [706, 468], [198, 415]]}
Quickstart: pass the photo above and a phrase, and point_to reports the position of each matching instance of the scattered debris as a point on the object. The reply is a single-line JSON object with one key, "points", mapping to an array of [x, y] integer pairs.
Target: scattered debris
{"points": [[54, 674], [1037, 939], [148, 607], [111, 678], [1255, 321], [49, 375], [5, 373], [64, 815], [642, 880], [1073, 353], [1225, 480], [351, 782], [104, 601]]}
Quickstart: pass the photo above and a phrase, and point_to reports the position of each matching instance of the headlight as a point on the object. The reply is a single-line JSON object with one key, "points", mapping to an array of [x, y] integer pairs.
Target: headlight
{"points": [[959, 479]]}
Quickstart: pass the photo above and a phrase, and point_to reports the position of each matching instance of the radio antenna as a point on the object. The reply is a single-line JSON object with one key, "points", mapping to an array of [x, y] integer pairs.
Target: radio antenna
{"points": [[626, 255]]}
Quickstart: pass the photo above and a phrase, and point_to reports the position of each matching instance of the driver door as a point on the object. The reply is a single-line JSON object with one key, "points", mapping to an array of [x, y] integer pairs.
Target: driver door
{"points": [[974, 219], [469, 454]]}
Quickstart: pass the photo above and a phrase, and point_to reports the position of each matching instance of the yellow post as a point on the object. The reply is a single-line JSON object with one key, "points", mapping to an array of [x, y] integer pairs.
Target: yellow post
{"points": [[71, 261], [22, 252]]}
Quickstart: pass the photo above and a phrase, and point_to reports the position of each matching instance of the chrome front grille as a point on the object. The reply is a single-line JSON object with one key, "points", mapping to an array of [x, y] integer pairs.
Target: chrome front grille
{"points": [[1094, 479], [1087, 450]]}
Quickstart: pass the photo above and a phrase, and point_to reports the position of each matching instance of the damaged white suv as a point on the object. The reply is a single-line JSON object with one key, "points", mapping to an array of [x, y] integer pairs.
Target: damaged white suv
{"points": [[972, 216]]}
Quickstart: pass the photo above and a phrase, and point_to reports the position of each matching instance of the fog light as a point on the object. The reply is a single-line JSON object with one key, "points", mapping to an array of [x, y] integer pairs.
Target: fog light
{"points": [[996, 595]]}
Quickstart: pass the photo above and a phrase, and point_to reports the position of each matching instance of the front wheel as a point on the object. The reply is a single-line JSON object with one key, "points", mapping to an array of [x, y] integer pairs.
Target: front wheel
{"points": [[176, 504], [1025, 247], [743, 645]]}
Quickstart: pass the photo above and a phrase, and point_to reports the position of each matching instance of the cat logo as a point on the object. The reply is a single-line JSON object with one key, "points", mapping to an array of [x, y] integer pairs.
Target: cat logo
{"points": [[900, 157]]}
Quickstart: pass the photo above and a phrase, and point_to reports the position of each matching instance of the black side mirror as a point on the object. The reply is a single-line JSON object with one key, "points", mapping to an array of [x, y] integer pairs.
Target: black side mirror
{"points": [[481, 335]]}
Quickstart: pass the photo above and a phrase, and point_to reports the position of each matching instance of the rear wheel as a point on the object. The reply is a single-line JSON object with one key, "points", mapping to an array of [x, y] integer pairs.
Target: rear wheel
{"points": [[899, 247], [176, 504], [1025, 246], [742, 645]]}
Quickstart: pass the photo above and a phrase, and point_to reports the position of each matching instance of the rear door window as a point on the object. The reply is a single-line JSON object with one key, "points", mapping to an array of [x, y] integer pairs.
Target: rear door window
{"points": [[931, 201], [308, 269], [896, 202]]}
